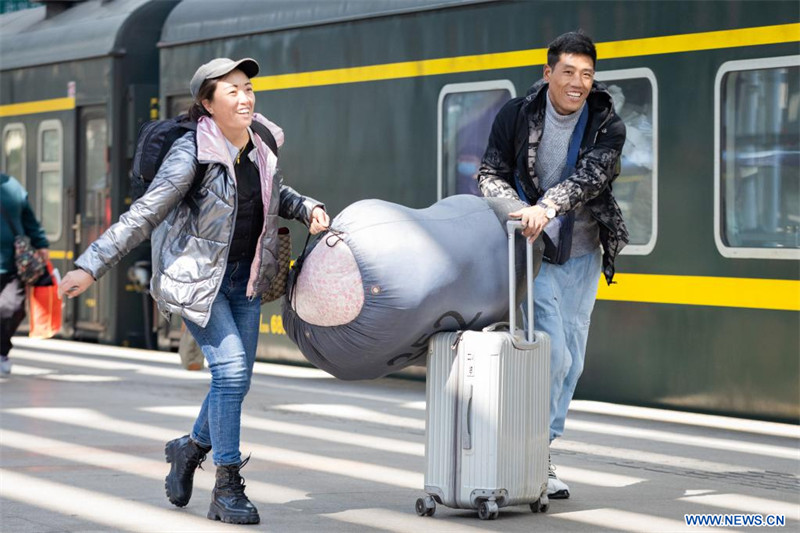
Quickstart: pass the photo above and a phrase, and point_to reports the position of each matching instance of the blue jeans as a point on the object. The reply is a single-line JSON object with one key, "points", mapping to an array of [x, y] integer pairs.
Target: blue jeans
{"points": [[229, 343], [564, 297]]}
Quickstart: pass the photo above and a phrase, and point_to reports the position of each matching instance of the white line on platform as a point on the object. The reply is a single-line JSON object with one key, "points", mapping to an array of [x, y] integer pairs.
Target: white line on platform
{"points": [[689, 419], [352, 469], [134, 354], [659, 459], [685, 440], [351, 412], [81, 378], [114, 366], [596, 478], [310, 432], [614, 519], [130, 464], [25, 370], [417, 406], [117, 513], [747, 504], [396, 522], [339, 389], [26, 348]]}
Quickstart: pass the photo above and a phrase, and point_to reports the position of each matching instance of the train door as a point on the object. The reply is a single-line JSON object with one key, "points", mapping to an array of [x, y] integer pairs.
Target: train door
{"points": [[92, 213]]}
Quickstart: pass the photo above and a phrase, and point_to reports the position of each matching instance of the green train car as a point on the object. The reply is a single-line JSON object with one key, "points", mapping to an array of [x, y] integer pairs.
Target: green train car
{"points": [[394, 99]]}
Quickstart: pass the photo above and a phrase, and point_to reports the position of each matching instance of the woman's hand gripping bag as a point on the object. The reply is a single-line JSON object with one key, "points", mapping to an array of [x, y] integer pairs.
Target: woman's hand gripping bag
{"points": [[374, 289]]}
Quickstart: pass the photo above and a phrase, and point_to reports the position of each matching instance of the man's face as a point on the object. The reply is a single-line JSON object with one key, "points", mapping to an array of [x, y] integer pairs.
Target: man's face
{"points": [[570, 82]]}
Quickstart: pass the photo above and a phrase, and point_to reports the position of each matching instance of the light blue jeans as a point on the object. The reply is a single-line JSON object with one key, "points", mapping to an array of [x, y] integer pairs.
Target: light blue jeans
{"points": [[229, 343], [564, 297]]}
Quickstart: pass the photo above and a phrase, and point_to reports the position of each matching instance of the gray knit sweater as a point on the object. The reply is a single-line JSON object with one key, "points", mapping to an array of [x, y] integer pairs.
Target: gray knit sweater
{"points": [[551, 158]]}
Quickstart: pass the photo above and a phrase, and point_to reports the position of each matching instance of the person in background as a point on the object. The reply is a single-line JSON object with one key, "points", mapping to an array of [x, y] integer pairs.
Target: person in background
{"points": [[565, 115], [214, 247], [17, 217]]}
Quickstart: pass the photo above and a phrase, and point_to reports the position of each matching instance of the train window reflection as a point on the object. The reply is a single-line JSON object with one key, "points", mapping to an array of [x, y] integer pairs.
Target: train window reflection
{"points": [[49, 191], [466, 113], [759, 158], [634, 92], [14, 151]]}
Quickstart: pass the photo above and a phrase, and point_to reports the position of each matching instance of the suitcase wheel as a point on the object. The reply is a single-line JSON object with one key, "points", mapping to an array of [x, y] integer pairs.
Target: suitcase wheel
{"points": [[488, 510], [426, 506], [541, 505]]}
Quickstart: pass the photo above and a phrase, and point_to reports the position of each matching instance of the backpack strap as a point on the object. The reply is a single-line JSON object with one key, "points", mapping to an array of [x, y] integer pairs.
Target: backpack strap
{"points": [[520, 130], [520, 142], [261, 130], [266, 136]]}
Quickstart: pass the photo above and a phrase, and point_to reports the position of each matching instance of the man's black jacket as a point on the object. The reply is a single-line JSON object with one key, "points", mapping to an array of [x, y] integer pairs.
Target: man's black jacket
{"points": [[597, 167]]}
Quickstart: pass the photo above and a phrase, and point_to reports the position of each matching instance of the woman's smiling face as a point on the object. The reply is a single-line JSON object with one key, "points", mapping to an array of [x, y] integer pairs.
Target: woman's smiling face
{"points": [[233, 102]]}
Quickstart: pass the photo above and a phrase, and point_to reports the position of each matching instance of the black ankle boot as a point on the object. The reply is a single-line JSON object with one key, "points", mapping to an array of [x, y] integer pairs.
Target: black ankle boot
{"points": [[228, 501], [185, 455]]}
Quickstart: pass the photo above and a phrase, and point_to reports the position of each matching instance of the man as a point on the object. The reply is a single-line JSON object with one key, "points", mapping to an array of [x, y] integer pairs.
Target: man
{"points": [[17, 219], [558, 149]]}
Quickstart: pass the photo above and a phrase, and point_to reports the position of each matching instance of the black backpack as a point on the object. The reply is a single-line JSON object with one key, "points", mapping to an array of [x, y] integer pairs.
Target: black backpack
{"points": [[157, 137]]}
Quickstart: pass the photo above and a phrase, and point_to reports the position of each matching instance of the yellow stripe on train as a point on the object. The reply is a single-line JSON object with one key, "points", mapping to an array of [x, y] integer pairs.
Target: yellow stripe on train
{"points": [[38, 106], [778, 294], [690, 42]]}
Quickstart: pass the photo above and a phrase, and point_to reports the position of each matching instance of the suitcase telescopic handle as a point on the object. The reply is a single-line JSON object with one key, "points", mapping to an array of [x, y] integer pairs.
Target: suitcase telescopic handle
{"points": [[512, 226]]}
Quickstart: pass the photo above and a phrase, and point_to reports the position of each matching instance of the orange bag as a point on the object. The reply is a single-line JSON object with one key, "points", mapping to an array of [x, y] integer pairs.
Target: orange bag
{"points": [[45, 307]]}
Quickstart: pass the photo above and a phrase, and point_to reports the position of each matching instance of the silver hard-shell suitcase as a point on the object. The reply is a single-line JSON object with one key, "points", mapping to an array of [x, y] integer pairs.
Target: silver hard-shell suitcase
{"points": [[488, 405]]}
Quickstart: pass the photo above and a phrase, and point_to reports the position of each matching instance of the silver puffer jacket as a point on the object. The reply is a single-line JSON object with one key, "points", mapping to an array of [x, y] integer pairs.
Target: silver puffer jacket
{"points": [[192, 224]]}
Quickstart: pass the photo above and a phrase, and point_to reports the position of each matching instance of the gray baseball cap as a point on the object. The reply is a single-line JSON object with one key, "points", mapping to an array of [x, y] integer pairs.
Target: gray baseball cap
{"points": [[219, 67]]}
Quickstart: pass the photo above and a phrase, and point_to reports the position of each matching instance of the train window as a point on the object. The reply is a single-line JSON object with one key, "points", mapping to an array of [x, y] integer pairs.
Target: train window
{"points": [[466, 113], [635, 94], [50, 177], [757, 160], [14, 151]]}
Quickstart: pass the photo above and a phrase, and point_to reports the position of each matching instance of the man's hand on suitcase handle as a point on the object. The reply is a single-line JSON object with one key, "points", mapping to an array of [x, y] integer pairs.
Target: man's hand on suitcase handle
{"points": [[533, 220]]}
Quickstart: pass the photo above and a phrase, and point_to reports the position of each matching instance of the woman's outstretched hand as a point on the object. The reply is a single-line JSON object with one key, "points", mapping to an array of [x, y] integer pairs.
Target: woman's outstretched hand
{"points": [[74, 283], [319, 221]]}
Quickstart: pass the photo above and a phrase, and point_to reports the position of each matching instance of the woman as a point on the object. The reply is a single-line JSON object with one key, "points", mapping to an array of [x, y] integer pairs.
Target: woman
{"points": [[17, 219], [215, 246]]}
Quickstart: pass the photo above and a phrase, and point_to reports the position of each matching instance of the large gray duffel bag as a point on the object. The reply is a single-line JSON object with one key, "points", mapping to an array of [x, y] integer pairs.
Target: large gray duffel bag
{"points": [[372, 290]]}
